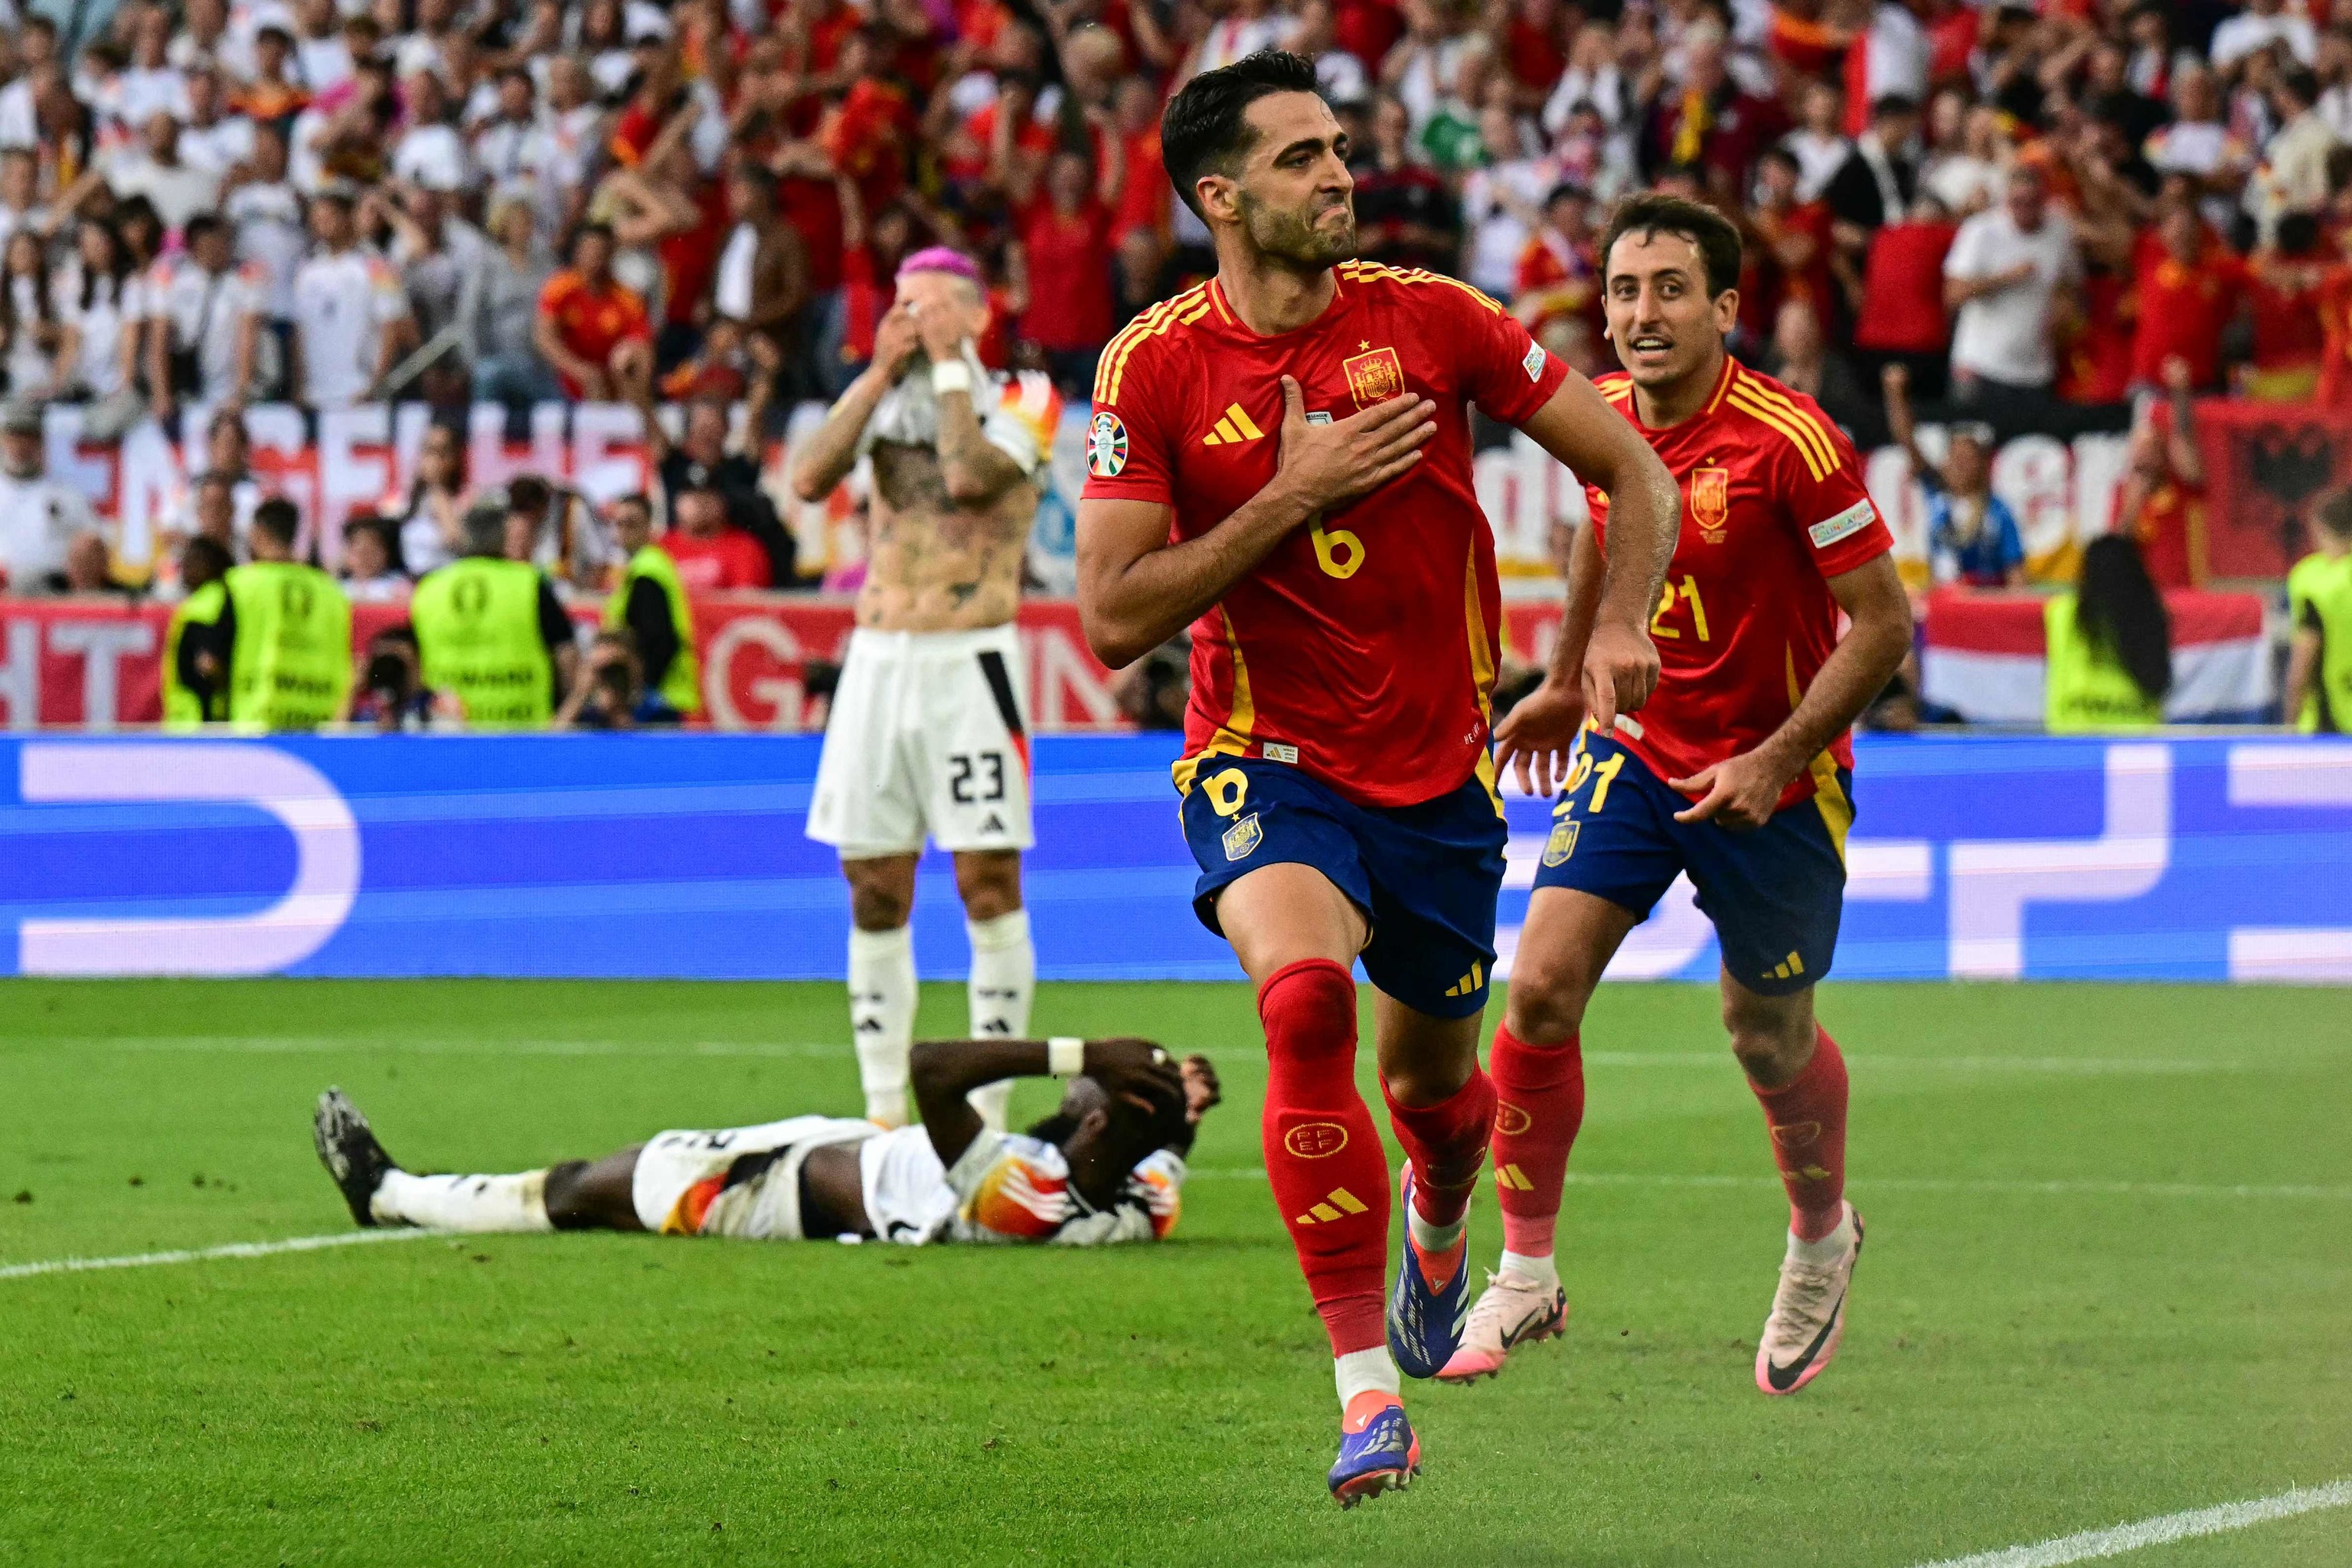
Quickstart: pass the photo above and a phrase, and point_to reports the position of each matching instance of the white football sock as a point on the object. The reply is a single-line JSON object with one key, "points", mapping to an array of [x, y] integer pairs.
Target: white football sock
{"points": [[1004, 979], [882, 1017], [1359, 1372], [1543, 1270], [1829, 1249], [1432, 1238], [464, 1202]]}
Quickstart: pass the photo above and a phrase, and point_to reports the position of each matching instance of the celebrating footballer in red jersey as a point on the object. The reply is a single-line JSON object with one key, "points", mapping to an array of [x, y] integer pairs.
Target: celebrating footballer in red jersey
{"points": [[1738, 772], [1280, 459]]}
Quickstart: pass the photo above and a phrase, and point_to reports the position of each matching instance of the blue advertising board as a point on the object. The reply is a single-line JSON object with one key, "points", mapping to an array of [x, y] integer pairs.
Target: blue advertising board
{"points": [[684, 856]]}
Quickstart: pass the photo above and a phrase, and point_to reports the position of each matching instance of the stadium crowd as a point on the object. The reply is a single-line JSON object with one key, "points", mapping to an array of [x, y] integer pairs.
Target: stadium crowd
{"points": [[2000, 216]]}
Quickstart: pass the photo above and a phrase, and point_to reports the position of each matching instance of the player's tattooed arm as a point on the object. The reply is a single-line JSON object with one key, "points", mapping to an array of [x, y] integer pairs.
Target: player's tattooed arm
{"points": [[1620, 667], [1743, 791], [831, 451], [1136, 590], [974, 472]]}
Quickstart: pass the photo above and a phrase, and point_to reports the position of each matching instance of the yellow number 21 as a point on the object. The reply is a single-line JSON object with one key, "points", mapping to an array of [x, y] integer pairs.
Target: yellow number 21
{"points": [[1658, 628]]}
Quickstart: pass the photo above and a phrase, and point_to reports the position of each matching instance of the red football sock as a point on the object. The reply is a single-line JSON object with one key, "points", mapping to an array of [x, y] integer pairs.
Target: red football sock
{"points": [[1542, 1093], [1807, 1118], [1446, 1143], [1323, 1155]]}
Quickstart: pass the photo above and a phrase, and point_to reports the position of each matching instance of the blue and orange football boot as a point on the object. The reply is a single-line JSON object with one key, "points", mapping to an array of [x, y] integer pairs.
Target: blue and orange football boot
{"points": [[1378, 1450], [1424, 1320]]}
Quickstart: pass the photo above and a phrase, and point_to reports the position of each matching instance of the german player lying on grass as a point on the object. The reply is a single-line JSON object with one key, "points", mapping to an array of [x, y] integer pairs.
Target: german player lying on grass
{"points": [[1106, 1166]]}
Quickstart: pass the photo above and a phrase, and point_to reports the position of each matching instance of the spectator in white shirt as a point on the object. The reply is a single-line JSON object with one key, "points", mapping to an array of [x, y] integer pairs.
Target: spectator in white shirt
{"points": [[20, 188], [2294, 175], [206, 340], [513, 146], [431, 154], [93, 291], [351, 316], [321, 57], [2004, 276], [212, 140], [2262, 23], [1818, 144], [267, 213], [39, 517], [36, 49], [151, 82], [178, 191], [32, 327]]}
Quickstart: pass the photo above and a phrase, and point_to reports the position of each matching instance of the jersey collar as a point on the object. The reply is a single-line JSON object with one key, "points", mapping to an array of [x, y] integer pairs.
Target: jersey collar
{"points": [[1230, 319]]}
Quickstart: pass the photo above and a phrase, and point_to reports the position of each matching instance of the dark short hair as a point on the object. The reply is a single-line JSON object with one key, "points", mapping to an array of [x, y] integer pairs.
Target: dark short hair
{"points": [[2334, 512], [528, 494], [1205, 131], [1717, 239], [200, 226], [2300, 83], [203, 559], [278, 518], [602, 231], [1893, 104]]}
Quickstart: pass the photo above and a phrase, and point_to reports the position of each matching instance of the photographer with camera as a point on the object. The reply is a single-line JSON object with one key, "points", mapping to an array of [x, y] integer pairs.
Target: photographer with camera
{"points": [[612, 694]]}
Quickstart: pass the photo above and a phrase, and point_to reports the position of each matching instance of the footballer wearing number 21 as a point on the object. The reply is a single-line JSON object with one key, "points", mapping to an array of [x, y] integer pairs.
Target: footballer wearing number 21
{"points": [[1280, 459]]}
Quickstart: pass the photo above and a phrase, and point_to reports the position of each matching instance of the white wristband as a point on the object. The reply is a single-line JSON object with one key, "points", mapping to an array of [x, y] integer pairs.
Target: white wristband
{"points": [[1066, 1055], [952, 375]]}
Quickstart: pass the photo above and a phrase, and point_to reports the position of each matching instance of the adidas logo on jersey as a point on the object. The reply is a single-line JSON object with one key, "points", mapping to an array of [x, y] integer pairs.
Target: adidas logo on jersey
{"points": [[1233, 427]]}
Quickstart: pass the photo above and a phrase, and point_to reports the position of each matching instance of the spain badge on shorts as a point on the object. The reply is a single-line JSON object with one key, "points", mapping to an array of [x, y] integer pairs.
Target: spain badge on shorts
{"points": [[1562, 842], [1244, 836], [1105, 446], [1710, 502], [1375, 377]]}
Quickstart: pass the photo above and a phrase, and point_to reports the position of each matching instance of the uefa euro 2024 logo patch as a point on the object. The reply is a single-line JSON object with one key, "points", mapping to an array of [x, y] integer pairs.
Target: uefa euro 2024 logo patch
{"points": [[1105, 446]]}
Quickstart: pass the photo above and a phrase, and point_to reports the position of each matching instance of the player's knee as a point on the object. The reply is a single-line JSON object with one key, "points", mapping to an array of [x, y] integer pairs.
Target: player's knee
{"points": [[566, 1193], [1546, 1001], [881, 893], [1773, 1037], [989, 883]]}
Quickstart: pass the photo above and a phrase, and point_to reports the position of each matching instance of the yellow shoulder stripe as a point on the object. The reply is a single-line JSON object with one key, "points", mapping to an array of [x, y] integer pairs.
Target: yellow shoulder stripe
{"points": [[1816, 438], [1781, 423], [1374, 269], [1181, 311], [1806, 421], [1119, 341]]}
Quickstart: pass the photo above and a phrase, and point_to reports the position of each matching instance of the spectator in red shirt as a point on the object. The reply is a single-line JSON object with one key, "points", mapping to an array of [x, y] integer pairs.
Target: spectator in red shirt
{"points": [[2161, 503], [712, 554], [1900, 319], [592, 327], [2282, 296], [2190, 287], [1791, 253], [1067, 241], [1143, 193]]}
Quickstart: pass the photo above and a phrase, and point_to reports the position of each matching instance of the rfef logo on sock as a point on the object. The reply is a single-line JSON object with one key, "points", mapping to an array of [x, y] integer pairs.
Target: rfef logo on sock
{"points": [[1510, 1121], [1314, 1139]]}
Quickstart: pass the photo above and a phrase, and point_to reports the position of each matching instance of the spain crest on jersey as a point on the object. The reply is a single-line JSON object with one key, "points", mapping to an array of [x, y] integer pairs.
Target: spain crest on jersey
{"points": [[1105, 446], [1710, 502], [1375, 377]]}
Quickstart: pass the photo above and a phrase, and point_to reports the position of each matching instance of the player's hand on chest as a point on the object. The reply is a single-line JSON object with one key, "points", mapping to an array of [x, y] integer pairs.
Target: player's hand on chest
{"points": [[1232, 438]]}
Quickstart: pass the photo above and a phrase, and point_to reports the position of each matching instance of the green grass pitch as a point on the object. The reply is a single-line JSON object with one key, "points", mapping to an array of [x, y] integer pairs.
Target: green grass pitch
{"points": [[2108, 1273]]}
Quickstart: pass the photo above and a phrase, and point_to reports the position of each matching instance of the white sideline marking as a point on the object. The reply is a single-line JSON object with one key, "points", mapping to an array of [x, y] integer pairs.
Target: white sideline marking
{"points": [[207, 1254], [2122, 1538], [1900, 1184]]}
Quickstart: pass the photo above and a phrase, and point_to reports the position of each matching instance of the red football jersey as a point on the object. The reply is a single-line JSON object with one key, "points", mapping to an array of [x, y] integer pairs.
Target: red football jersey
{"points": [[1363, 649], [1772, 508]]}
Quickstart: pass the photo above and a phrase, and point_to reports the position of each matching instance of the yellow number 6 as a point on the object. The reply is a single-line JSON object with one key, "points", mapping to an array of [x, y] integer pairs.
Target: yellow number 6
{"points": [[1227, 790], [1338, 551]]}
